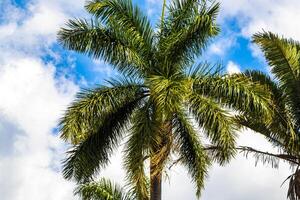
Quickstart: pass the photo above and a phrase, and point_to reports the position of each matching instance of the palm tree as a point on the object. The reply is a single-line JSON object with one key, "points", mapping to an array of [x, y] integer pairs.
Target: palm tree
{"points": [[159, 95], [102, 190], [283, 131]]}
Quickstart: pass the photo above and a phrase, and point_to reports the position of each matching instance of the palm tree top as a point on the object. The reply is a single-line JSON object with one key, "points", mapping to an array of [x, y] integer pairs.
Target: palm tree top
{"points": [[122, 35], [162, 91]]}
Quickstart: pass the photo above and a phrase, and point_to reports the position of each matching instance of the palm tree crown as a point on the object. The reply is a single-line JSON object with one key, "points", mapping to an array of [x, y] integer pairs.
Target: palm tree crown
{"points": [[161, 92]]}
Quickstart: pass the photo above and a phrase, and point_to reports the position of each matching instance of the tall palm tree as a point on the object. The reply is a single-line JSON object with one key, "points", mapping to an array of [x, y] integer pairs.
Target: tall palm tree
{"points": [[283, 131], [102, 190], [161, 92]]}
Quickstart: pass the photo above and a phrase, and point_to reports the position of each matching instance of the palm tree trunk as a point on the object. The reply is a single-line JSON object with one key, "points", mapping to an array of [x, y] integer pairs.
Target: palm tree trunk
{"points": [[155, 183], [156, 176]]}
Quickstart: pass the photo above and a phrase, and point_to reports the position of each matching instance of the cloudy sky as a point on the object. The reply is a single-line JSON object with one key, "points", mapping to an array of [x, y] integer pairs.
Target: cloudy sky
{"points": [[38, 79]]}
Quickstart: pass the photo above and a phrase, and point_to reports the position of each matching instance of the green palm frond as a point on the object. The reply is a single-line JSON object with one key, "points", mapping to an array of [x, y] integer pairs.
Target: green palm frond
{"points": [[138, 148], [281, 127], [80, 120], [283, 57], [237, 92], [96, 139], [128, 18], [88, 157], [102, 190], [167, 93], [95, 40], [204, 69], [216, 123], [191, 150], [181, 47], [180, 14]]}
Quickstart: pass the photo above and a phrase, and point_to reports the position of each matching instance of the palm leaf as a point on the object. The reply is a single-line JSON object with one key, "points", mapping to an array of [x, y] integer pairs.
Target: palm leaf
{"points": [[138, 148], [181, 47], [216, 123], [191, 150], [102, 190], [99, 127], [91, 38], [283, 56], [127, 17]]}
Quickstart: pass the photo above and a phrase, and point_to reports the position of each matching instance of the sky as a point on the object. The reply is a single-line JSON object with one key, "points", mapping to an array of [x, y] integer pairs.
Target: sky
{"points": [[38, 80]]}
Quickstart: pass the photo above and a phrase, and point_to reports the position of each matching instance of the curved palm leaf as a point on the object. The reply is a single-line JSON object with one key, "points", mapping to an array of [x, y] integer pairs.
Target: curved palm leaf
{"points": [[283, 56], [128, 17], [191, 150], [91, 38], [216, 123], [182, 46], [138, 148], [95, 139], [102, 190]]}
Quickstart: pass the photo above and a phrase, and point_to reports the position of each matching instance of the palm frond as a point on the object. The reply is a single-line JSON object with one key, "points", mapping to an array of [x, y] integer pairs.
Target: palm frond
{"points": [[191, 150], [85, 114], [283, 57], [179, 48], [180, 14], [237, 92], [102, 190], [167, 93], [294, 186], [103, 126], [138, 148], [204, 69], [281, 127], [123, 16], [216, 123], [267, 157], [95, 40]]}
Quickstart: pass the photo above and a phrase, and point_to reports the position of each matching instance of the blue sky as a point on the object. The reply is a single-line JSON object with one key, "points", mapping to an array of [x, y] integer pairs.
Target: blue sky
{"points": [[38, 79]]}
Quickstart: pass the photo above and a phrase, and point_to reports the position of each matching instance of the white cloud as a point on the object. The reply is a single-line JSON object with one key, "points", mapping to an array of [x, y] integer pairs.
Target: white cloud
{"points": [[31, 102], [278, 16], [221, 46], [232, 68], [33, 97]]}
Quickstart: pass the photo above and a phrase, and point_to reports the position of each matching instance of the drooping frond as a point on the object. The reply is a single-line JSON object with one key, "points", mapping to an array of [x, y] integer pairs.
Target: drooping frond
{"points": [[216, 123], [204, 69], [90, 108], [101, 118], [281, 127], [237, 92], [97, 41], [283, 57], [294, 186], [102, 190], [191, 150], [138, 148]]}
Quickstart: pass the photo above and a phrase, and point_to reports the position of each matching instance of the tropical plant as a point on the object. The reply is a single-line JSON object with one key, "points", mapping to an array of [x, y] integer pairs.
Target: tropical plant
{"points": [[283, 131], [161, 92], [102, 190]]}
